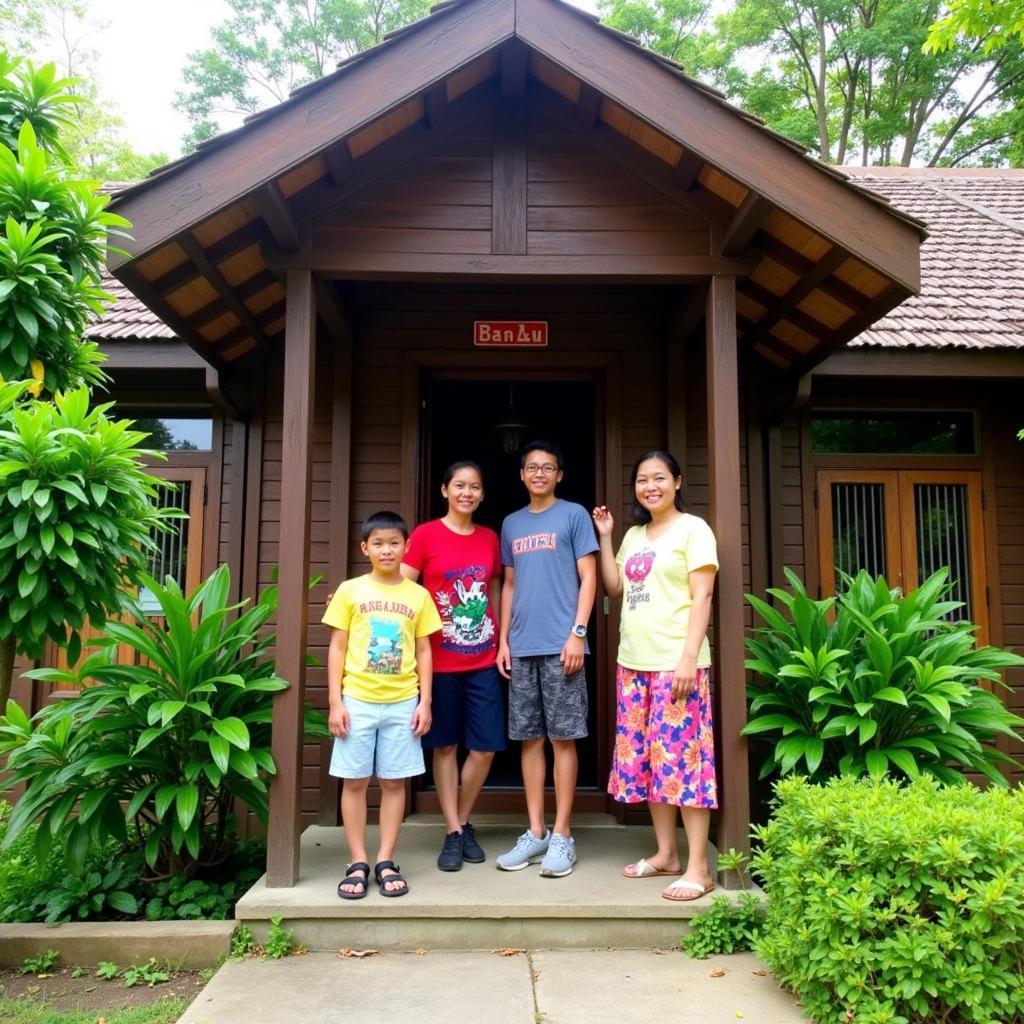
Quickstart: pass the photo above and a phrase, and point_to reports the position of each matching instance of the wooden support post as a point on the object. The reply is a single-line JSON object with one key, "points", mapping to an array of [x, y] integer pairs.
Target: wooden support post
{"points": [[296, 484], [337, 549], [724, 473]]}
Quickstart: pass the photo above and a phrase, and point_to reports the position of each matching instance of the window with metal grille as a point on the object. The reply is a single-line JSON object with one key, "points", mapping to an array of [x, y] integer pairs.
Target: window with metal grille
{"points": [[904, 524]]}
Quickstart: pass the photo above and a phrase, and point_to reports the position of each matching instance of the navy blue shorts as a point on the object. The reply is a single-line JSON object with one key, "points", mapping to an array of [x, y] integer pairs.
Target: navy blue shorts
{"points": [[468, 710]]}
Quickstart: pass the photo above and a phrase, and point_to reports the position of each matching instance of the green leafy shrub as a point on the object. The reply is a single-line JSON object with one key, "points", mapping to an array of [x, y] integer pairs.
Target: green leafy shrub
{"points": [[154, 755], [889, 686], [23, 875], [243, 942], [150, 973], [76, 514], [107, 970], [182, 899], [726, 927], [104, 891], [893, 903]]}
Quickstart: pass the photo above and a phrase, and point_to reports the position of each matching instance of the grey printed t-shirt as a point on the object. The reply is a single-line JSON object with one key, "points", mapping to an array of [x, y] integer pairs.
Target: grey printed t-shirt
{"points": [[543, 547]]}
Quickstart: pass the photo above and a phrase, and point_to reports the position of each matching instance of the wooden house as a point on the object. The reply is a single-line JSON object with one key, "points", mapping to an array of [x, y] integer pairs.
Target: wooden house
{"points": [[507, 219]]}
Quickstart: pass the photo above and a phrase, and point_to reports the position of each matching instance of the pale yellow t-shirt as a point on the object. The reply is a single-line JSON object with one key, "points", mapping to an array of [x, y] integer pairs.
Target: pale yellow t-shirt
{"points": [[383, 623], [656, 595]]}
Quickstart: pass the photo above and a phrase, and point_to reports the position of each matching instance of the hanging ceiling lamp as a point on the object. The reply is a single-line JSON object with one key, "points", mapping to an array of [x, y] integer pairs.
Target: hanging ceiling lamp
{"points": [[511, 430]]}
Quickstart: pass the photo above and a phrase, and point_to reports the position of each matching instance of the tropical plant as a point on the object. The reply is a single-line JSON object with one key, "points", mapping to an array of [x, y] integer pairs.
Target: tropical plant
{"points": [[103, 891], [890, 684], [895, 903], [76, 515], [728, 926], [154, 754]]}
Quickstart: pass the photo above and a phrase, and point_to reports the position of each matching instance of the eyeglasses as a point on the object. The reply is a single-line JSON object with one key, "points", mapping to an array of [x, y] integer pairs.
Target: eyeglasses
{"points": [[533, 467]]}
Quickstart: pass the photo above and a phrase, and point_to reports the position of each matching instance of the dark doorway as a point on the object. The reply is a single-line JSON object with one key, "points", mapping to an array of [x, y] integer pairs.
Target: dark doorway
{"points": [[471, 418]]}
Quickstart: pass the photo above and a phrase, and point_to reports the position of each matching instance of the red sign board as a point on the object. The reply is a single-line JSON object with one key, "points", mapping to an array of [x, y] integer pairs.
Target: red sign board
{"points": [[510, 333]]}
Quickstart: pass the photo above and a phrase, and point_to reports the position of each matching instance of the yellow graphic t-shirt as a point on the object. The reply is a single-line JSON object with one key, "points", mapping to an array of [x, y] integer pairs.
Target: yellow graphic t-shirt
{"points": [[383, 622], [656, 595]]}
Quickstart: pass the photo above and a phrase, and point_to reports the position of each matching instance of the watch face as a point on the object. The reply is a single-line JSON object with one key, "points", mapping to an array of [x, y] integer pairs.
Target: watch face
{"points": [[580, 630]]}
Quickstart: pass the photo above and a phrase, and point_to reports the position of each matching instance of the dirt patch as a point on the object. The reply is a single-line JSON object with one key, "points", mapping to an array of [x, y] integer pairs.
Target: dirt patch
{"points": [[60, 991]]}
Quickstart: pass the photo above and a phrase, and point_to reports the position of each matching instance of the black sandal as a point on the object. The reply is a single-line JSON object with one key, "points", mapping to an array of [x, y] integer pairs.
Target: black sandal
{"points": [[383, 880], [353, 877]]}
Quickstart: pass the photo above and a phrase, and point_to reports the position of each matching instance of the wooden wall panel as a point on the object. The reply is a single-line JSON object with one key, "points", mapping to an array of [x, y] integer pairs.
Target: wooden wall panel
{"points": [[580, 202]]}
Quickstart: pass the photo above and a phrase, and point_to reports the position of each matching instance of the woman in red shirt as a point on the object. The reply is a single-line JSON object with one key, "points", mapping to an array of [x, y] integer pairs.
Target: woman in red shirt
{"points": [[459, 563]]}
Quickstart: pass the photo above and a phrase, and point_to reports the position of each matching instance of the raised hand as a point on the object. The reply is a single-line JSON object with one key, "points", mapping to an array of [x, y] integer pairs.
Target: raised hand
{"points": [[603, 521]]}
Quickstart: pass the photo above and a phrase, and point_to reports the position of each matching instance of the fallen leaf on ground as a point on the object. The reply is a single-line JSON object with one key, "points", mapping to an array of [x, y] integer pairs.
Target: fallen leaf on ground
{"points": [[508, 951], [535, 974], [357, 953], [421, 952], [739, 1013], [718, 972], [760, 974]]}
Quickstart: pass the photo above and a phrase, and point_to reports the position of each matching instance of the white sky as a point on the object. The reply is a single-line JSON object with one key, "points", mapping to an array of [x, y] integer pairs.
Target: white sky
{"points": [[142, 51]]}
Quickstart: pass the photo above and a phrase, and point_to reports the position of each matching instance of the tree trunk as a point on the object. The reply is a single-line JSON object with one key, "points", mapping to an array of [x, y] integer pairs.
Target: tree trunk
{"points": [[6, 670]]}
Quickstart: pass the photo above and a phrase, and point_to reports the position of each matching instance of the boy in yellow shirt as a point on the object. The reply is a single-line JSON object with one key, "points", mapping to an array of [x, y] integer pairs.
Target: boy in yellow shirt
{"points": [[379, 676]]}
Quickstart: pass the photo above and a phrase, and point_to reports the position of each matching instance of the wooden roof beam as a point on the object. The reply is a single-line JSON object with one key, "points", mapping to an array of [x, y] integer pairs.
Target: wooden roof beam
{"points": [[277, 215], [687, 168], [435, 100], [589, 105], [849, 296], [331, 310], [781, 308], [216, 279], [689, 314], [643, 268], [218, 306], [749, 217], [339, 162], [515, 59]]}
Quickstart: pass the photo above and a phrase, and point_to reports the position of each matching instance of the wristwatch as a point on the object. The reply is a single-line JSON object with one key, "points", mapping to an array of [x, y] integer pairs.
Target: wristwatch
{"points": [[579, 630]]}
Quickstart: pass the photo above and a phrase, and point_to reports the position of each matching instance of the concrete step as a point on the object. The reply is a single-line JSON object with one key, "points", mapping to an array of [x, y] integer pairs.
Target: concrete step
{"points": [[478, 907]]}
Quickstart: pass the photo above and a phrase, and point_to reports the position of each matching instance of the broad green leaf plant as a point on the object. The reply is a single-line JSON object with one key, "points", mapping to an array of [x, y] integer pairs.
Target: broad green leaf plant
{"points": [[76, 515], [155, 754], [887, 685]]}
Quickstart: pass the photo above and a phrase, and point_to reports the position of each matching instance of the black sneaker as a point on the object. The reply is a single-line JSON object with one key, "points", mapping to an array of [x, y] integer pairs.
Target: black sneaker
{"points": [[450, 857], [471, 849]]}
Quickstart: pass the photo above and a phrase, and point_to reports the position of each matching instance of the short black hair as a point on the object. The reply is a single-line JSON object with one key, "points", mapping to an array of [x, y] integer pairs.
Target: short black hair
{"points": [[637, 511], [548, 447], [384, 520], [446, 477]]}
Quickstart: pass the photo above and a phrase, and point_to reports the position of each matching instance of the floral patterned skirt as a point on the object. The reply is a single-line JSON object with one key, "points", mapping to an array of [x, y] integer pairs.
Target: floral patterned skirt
{"points": [[664, 748]]}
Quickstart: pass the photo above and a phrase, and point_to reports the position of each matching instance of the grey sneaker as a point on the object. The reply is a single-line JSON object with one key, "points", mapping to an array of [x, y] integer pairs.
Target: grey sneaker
{"points": [[528, 850], [559, 859]]}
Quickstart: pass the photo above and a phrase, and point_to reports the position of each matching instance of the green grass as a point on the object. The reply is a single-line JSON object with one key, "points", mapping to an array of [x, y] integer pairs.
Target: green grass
{"points": [[164, 1012]]}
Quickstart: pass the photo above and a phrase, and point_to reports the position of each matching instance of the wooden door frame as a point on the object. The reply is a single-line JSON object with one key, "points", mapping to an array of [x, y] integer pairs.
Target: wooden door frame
{"points": [[604, 370]]}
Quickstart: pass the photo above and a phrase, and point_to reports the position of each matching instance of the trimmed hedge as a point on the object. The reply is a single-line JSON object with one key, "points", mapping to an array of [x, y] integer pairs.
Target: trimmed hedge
{"points": [[893, 904]]}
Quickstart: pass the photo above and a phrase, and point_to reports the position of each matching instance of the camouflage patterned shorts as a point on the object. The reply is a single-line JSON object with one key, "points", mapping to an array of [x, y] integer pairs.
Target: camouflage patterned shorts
{"points": [[544, 702]]}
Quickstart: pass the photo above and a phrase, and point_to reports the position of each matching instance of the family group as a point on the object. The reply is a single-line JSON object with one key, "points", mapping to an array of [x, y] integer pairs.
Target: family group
{"points": [[419, 644]]}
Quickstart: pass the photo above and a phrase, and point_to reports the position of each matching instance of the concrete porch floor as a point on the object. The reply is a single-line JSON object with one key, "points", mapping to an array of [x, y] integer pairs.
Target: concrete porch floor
{"points": [[478, 907]]}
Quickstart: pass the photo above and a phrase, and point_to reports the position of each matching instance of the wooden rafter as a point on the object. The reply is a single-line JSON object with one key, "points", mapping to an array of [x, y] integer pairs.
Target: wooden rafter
{"points": [[277, 215], [331, 310], [783, 308], [689, 314], [589, 105], [339, 162], [216, 279], [435, 100], [218, 306], [741, 228], [686, 170], [850, 297]]}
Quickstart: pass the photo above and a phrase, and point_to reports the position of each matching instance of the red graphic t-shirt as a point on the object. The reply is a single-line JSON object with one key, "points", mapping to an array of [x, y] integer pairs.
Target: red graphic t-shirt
{"points": [[457, 571]]}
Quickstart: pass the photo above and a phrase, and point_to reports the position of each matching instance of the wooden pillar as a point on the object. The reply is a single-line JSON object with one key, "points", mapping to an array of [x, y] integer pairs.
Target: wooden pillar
{"points": [[293, 554], [724, 474], [337, 551]]}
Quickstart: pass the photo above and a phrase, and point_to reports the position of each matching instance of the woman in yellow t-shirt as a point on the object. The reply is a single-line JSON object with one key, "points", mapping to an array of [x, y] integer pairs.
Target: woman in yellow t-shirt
{"points": [[664, 751]]}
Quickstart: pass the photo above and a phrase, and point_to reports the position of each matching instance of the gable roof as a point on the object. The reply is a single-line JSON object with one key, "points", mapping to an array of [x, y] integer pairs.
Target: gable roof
{"points": [[831, 257], [972, 265]]}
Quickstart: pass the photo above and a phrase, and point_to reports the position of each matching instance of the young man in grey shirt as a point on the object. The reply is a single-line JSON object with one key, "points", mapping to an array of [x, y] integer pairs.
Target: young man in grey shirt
{"points": [[547, 549]]}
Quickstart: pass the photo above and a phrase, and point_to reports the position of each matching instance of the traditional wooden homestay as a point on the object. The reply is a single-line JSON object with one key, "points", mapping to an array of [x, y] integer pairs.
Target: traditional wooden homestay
{"points": [[508, 220]]}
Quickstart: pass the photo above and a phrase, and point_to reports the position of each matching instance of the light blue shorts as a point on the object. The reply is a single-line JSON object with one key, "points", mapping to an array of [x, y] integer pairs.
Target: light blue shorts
{"points": [[380, 742]]}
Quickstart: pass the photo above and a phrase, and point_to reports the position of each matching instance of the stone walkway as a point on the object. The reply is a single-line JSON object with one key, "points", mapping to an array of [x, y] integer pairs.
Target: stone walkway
{"points": [[534, 987]]}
